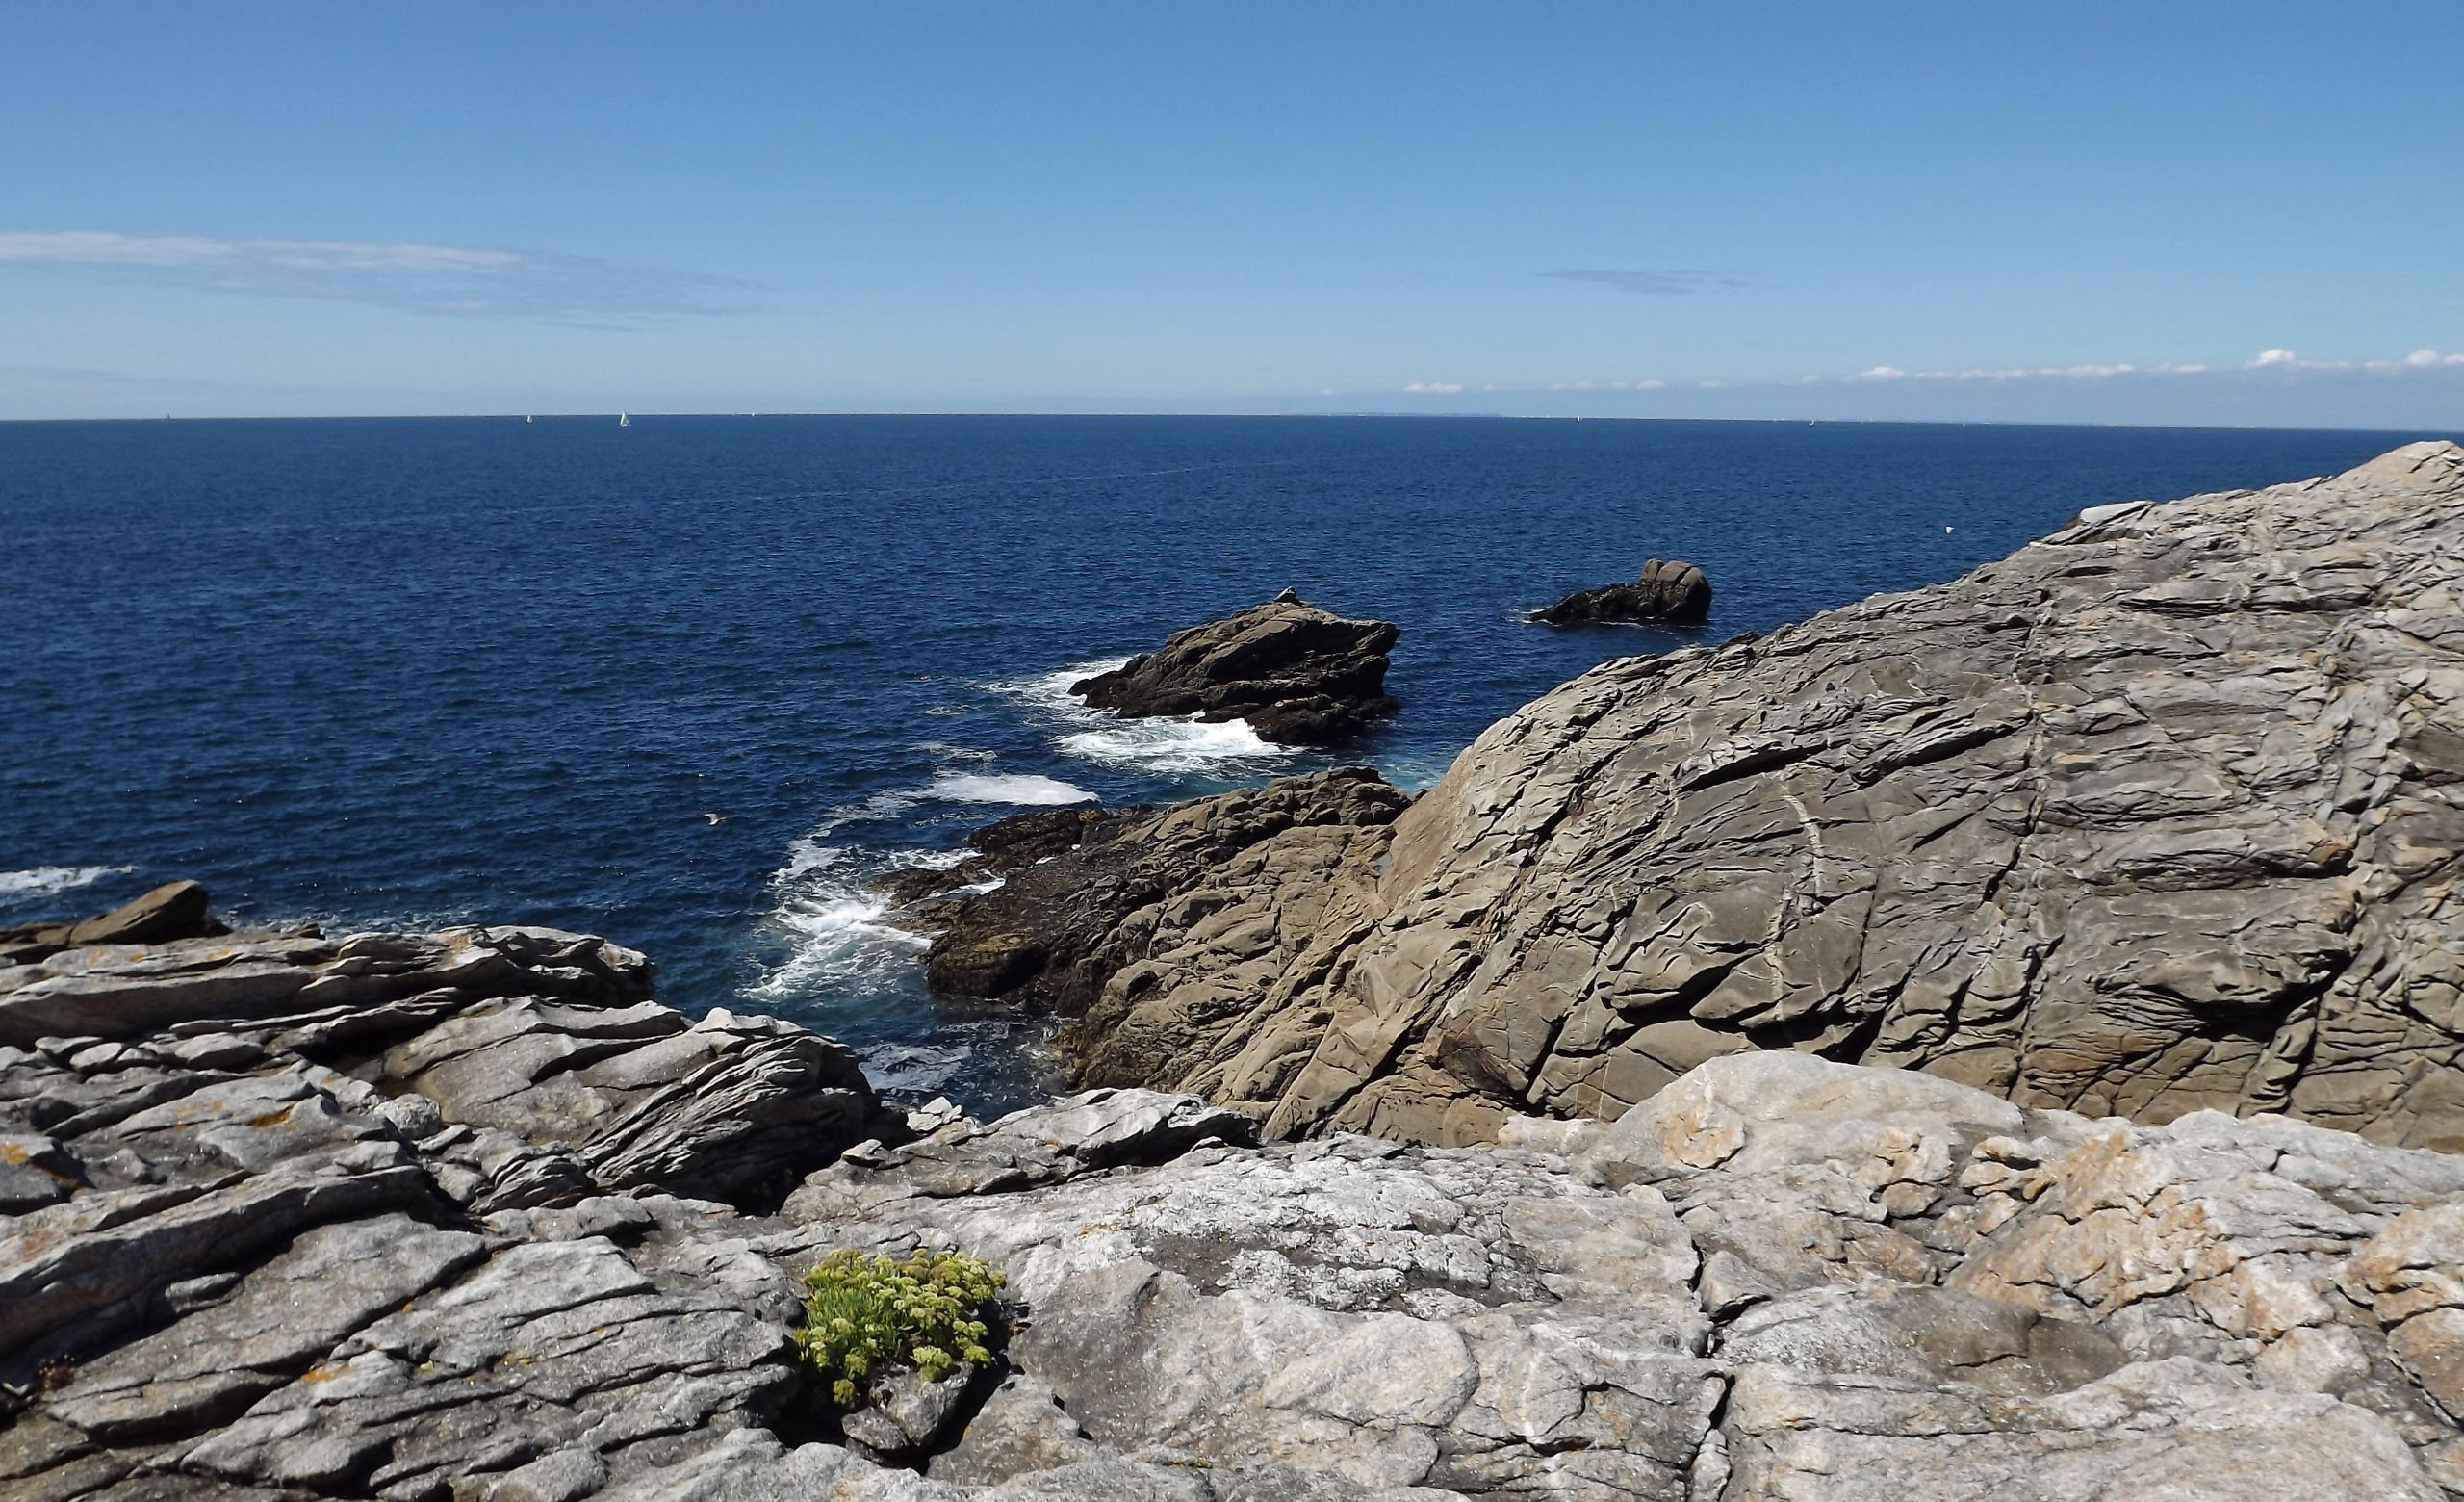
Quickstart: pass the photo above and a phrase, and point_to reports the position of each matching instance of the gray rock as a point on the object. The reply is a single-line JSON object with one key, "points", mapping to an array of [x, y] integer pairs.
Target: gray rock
{"points": [[2174, 1429], [1083, 896], [218, 1357], [1039, 1145], [903, 1417], [548, 1345], [1020, 1428], [121, 992]]}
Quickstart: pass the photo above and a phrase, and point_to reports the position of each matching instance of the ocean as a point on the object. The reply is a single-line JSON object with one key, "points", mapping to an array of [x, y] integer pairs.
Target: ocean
{"points": [[692, 684]]}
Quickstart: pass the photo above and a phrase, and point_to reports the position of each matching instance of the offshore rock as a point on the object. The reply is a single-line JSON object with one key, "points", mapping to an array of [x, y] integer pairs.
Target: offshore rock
{"points": [[1668, 591], [2156, 815], [430, 1247], [1299, 675]]}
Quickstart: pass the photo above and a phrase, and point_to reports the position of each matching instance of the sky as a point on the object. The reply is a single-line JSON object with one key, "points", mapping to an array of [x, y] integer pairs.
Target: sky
{"points": [[2185, 213]]}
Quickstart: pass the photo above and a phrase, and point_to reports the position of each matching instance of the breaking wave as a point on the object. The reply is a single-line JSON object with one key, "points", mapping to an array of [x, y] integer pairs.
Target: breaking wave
{"points": [[1160, 746], [44, 881]]}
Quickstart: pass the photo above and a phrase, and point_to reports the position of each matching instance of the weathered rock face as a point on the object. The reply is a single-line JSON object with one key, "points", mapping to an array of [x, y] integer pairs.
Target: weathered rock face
{"points": [[1668, 590], [1299, 675], [2157, 815], [430, 1246], [1780, 1278], [333, 1218], [1090, 904]]}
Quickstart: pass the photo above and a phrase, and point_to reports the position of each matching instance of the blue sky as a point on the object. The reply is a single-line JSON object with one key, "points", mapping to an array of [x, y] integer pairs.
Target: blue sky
{"points": [[2175, 213]]}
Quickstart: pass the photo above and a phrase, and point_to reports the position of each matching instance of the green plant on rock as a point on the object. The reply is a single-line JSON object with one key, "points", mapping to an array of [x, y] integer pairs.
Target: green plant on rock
{"points": [[869, 1313]]}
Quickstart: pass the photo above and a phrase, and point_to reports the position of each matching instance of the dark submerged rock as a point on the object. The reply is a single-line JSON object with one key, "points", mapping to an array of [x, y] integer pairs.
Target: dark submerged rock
{"points": [[1671, 592], [1299, 675]]}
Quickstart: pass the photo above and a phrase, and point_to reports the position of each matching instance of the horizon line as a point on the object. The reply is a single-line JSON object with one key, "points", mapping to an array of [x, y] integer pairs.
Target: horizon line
{"points": [[1279, 415]]}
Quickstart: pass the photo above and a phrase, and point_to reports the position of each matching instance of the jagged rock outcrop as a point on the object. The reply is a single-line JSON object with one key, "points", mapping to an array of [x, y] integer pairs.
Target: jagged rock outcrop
{"points": [[1668, 591], [1055, 930], [2157, 815], [431, 1246], [1299, 675]]}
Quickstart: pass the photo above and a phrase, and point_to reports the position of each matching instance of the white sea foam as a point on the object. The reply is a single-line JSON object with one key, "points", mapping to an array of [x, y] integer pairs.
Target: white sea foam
{"points": [[1169, 745], [838, 938], [44, 881], [1023, 790], [1164, 746], [837, 928]]}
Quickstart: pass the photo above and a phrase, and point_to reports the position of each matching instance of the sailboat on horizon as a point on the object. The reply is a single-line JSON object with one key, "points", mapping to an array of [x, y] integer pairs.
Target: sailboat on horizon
{"points": [[623, 421]]}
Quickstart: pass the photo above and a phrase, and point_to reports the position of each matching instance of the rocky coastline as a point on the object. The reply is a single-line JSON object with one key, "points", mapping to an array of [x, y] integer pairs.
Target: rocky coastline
{"points": [[1999, 1040], [2156, 815], [467, 1215]]}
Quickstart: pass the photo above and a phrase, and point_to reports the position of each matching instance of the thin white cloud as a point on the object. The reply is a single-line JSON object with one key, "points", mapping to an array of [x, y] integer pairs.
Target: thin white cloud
{"points": [[400, 273], [2281, 361], [2419, 360], [1435, 388]]}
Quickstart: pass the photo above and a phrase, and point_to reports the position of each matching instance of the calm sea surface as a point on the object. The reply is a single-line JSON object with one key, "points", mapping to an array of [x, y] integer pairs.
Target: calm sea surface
{"points": [[690, 683]]}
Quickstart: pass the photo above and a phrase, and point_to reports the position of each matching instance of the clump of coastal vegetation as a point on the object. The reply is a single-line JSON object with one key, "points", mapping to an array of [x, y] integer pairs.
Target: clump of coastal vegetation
{"points": [[866, 1314]]}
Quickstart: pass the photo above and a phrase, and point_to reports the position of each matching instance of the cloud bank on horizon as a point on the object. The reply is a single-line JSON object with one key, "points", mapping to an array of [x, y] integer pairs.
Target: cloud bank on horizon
{"points": [[2266, 362]]}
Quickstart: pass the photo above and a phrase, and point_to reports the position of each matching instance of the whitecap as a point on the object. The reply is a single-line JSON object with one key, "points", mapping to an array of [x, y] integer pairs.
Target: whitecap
{"points": [[44, 881]]}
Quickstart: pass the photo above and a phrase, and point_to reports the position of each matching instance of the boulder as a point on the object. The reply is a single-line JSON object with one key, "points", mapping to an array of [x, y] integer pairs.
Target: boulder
{"points": [[1667, 592], [1299, 675]]}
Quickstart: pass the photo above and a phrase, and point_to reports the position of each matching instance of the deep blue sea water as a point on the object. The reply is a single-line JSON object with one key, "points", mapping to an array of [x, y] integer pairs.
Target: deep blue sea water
{"points": [[689, 684]]}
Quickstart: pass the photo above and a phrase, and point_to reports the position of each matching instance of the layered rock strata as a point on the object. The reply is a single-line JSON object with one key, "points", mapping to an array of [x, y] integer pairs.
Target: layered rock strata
{"points": [[1299, 675], [1668, 590], [268, 1261], [2158, 815]]}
